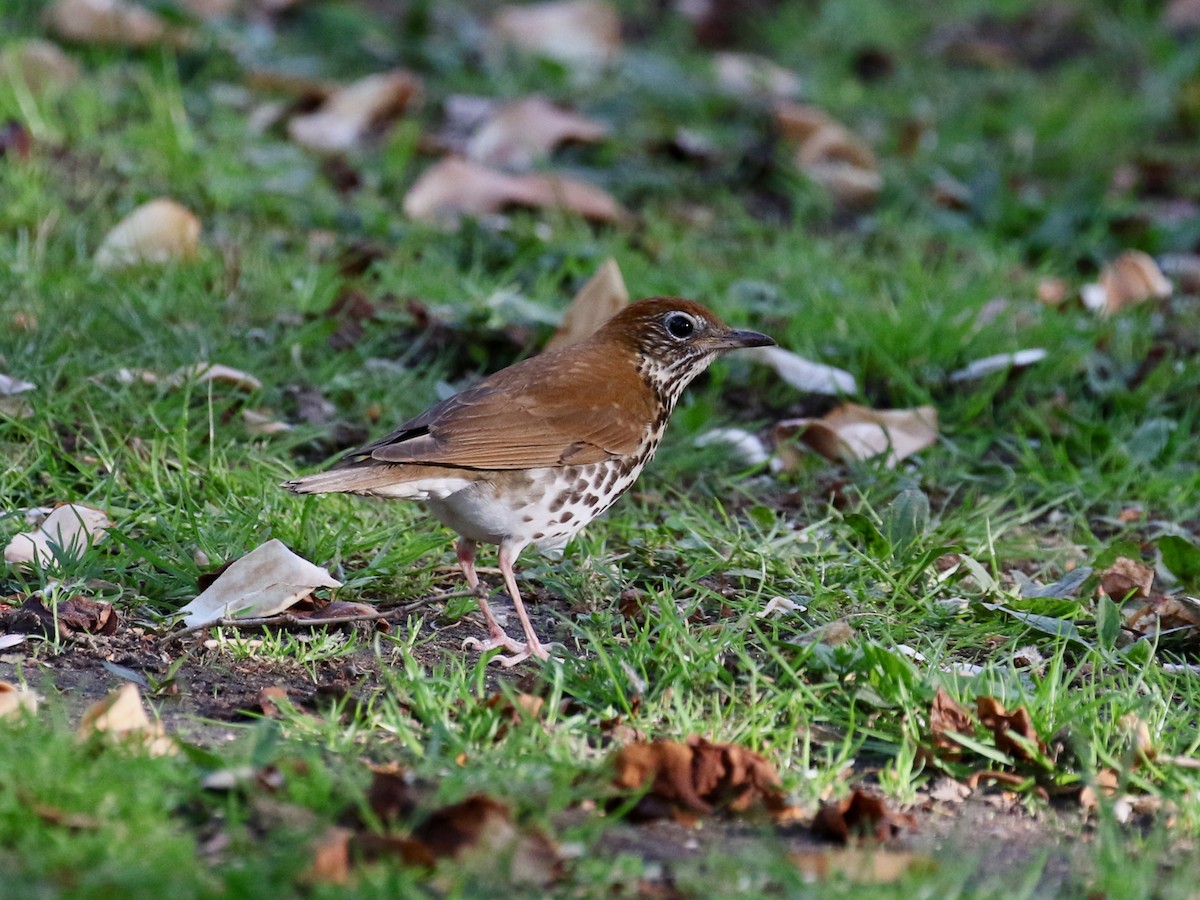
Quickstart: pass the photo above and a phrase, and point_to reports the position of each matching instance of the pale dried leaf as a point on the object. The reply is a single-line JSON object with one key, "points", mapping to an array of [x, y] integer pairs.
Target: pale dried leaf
{"points": [[123, 716], [832, 155], [1001, 362], [11, 403], [157, 232], [455, 187], [1052, 291], [1132, 278], [582, 34], [779, 606], [65, 534], [804, 374], [745, 445], [10, 386], [13, 699], [853, 432], [354, 112], [11, 640], [602, 297], [114, 22], [520, 133], [264, 582], [203, 372], [263, 423], [40, 65], [753, 77]]}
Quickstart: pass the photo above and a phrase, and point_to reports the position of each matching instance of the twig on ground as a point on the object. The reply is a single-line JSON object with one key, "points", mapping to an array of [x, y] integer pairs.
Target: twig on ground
{"points": [[292, 619]]}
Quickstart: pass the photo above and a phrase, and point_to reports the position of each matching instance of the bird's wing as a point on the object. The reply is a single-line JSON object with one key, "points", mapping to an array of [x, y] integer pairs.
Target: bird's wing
{"points": [[552, 410]]}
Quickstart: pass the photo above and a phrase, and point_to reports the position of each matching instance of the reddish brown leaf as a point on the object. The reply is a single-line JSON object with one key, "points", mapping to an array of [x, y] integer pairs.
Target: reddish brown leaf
{"points": [[77, 615], [1126, 577], [859, 815], [945, 715], [330, 857], [1004, 725]]}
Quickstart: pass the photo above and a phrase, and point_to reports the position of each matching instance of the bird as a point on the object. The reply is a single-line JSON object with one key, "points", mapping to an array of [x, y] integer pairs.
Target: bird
{"points": [[533, 453]]}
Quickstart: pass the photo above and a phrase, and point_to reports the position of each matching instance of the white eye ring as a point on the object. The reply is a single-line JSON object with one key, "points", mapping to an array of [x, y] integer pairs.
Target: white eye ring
{"points": [[679, 325]]}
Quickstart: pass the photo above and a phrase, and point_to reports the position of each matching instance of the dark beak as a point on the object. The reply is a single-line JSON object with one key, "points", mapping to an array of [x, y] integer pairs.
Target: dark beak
{"points": [[735, 340]]}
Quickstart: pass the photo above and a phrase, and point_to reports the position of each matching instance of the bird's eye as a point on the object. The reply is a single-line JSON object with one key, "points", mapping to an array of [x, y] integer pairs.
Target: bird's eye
{"points": [[680, 325]]}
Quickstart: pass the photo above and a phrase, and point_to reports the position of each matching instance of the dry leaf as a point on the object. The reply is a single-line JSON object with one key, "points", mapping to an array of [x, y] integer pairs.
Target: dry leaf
{"points": [[203, 372], [1001, 362], [265, 581], [755, 78], [744, 445], [602, 297], [582, 34], [40, 65], [1126, 577], [356, 111], [803, 374], [64, 536], [11, 404], [115, 22], [853, 432], [519, 134], [945, 715], [697, 778], [455, 187], [859, 815], [1052, 291], [1004, 725], [13, 699], [123, 715], [157, 232], [1165, 614], [1130, 279], [330, 857], [829, 153], [263, 423], [857, 865], [75, 615]]}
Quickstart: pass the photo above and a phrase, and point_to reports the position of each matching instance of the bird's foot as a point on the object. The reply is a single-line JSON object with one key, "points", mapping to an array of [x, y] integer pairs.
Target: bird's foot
{"points": [[520, 651], [498, 640]]}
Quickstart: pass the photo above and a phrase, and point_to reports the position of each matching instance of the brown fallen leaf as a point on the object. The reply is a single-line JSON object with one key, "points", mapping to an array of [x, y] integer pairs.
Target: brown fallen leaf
{"points": [[1132, 278], [14, 699], [40, 65], [584, 35], [65, 534], [268, 700], [1165, 614], [831, 154], [455, 187], [351, 114], [1127, 579], [514, 710], [265, 581], [106, 22], [75, 615], [697, 778], [859, 815], [122, 715], [157, 232], [602, 297], [945, 715], [853, 432], [518, 134], [859, 866], [330, 857], [1004, 725]]}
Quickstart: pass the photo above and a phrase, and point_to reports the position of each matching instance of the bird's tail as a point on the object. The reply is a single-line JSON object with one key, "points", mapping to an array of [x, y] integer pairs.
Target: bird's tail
{"points": [[351, 480]]}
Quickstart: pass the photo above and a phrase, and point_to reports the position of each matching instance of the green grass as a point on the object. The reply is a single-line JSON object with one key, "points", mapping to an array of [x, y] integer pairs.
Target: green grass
{"points": [[1031, 474]]}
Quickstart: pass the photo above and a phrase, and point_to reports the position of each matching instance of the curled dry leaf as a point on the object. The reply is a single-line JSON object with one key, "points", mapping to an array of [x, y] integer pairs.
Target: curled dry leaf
{"points": [[1014, 732], [1001, 362], [354, 112], [157, 232], [14, 699], [75, 615], [1132, 278], [112, 22], [520, 133], [859, 815], [455, 187], [123, 715], [263, 424], [265, 581], [203, 372], [1127, 578], [832, 155], [65, 535], [853, 432], [755, 78], [40, 65], [697, 778], [1166, 614], [582, 34], [803, 374], [946, 716], [602, 297]]}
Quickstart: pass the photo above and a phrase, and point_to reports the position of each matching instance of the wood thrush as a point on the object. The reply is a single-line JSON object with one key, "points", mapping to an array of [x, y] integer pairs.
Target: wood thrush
{"points": [[533, 453]]}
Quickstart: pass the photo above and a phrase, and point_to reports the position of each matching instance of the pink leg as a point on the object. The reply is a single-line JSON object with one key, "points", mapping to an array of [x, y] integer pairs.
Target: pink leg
{"points": [[533, 647], [496, 636]]}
